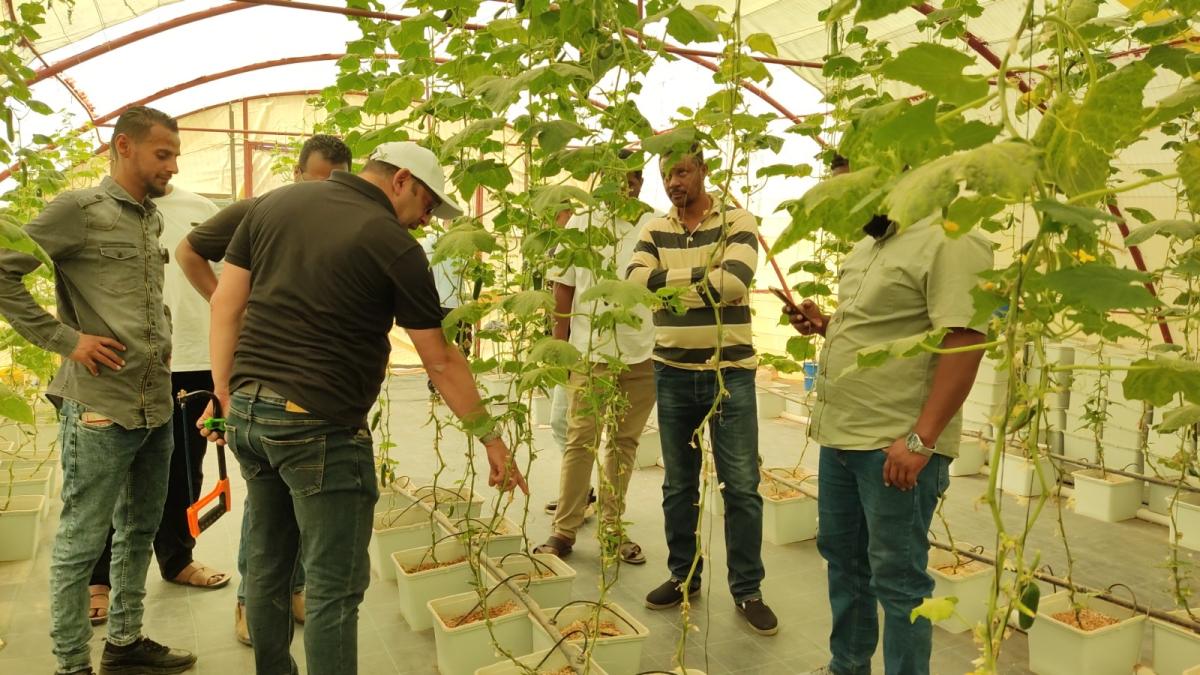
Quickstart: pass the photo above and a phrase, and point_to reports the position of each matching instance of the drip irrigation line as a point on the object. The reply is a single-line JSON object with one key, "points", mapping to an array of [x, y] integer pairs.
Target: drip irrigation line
{"points": [[806, 490], [1121, 472]]}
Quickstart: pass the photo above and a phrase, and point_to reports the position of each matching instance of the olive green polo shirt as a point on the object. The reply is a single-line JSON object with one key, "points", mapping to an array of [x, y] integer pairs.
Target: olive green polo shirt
{"points": [[898, 285]]}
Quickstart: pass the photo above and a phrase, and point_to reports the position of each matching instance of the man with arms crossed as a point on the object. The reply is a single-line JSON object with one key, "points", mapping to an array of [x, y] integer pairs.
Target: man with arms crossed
{"points": [[888, 434], [710, 249], [309, 308], [113, 389]]}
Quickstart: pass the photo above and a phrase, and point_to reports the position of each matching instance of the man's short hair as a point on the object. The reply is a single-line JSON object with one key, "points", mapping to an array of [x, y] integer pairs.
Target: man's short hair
{"points": [[626, 153], [382, 168], [696, 152], [136, 122], [838, 162], [331, 148]]}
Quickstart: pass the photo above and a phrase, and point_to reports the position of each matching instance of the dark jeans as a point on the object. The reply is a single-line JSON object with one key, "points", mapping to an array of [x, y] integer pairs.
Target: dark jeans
{"points": [[173, 543], [311, 487], [684, 399], [876, 541]]}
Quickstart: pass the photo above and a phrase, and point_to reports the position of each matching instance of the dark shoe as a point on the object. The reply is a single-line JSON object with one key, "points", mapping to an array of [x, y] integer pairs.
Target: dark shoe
{"points": [[759, 616], [552, 507], [144, 657], [556, 546], [670, 594], [85, 671]]}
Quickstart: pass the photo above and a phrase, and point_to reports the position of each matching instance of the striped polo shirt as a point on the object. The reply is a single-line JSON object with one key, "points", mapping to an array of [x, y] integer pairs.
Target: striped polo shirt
{"points": [[715, 264]]}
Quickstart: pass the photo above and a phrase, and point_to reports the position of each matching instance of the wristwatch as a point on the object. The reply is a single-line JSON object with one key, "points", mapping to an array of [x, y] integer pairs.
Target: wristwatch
{"points": [[915, 444]]}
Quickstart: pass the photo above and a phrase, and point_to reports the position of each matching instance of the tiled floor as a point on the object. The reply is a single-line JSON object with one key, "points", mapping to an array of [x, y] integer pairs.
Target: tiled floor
{"points": [[1131, 553]]}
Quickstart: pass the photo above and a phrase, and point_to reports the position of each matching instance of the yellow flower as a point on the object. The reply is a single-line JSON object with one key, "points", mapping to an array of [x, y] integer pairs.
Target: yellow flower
{"points": [[950, 226], [1084, 257]]}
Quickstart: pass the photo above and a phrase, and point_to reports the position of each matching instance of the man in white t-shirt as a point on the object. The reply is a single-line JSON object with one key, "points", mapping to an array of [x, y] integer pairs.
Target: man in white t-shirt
{"points": [[621, 355], [181, 211]]}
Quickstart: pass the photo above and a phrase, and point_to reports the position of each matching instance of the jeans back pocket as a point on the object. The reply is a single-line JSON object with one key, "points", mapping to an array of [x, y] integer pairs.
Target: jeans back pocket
{"points": [[301, 462]]}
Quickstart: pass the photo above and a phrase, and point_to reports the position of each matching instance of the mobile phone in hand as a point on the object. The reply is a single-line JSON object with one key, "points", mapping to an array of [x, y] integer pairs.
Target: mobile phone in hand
{"points": [[783, 297]]}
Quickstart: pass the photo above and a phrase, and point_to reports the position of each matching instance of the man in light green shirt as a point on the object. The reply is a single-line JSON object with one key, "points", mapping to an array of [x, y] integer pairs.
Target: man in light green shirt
{"points": [[888, 434]]}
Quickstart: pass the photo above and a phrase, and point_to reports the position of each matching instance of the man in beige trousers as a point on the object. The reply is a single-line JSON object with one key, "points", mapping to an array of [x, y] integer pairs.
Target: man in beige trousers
{"points": [[620, 367]]}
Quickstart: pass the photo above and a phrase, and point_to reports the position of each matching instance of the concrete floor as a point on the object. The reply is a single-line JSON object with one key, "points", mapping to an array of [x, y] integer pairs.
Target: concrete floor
{"points": [[1131, 553]]}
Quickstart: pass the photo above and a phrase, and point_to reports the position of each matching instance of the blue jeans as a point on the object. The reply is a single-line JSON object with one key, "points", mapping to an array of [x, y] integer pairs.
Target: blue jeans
{"points": [[112, 477], [876, 541], [297, 580], [311, 491], [684, 399]]}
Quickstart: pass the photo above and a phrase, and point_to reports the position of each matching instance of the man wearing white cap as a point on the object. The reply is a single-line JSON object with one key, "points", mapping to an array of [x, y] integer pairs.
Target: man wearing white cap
{"points": [[321, 271]]}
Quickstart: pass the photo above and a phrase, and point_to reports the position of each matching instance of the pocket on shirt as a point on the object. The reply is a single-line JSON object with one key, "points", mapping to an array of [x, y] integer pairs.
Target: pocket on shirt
{"points": [[120, 268]]}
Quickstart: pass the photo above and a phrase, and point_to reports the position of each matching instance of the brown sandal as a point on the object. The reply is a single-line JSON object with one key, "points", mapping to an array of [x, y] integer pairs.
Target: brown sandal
{"points": [[98, 606], [556, 546], [200, 576], [631, 553]]}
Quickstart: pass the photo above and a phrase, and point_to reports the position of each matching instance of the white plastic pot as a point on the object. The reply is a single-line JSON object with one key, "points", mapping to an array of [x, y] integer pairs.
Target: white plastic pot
{"points": [[972, 454], [1080, 444], [1185, 525], [399, 530], [972, 585], [27, 480], [20, 525], [1111, 498], [1019, 477], [649, 449], [771, 403], [1159, 497], [1056, 648], [787, 520], [462, 650], [1176, 649], [452, 501], [418, 588], [546, 660], [616, 654], [548, 591], [798, 408], [506, 539]]}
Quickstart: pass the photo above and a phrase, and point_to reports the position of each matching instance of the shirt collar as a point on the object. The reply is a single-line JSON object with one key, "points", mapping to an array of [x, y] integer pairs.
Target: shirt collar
{"points": [[366, 187], [880, 228], [113, 189]]}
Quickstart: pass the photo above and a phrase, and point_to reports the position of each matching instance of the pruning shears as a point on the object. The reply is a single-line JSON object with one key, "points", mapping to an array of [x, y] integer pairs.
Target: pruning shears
{"points": [[198, 519]]}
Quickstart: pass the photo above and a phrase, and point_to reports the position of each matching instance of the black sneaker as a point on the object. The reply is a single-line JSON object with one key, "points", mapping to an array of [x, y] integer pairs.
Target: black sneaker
{"points": [[552, 507], [759, 616], [669, 594], [144, 657]]}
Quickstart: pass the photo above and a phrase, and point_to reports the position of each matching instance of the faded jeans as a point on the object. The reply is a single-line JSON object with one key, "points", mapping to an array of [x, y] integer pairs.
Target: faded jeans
{"points": [[112, 476], [876, 541], [311, 490]]}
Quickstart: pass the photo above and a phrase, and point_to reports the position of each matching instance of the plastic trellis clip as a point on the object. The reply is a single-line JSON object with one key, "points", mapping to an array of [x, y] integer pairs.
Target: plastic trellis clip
{"points": [[198, 519]]}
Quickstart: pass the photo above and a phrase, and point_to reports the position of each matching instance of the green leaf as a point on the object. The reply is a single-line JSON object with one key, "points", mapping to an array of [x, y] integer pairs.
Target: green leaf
{"points": [[1180, 103], [39, 107], [554, 352], [869, 10], [1184, 230], [678, 140], [1188, 165], [938, 70], [1083, 217], [688, 26], [488, 173], [1100, 287], [14, 406], [463, 241], [834, 204], [14, 238], [913, 135], [879, 354], [1159, 381], [997, 169], [554, 135], [967, 135], [526, 304], [471, 135], [620, 293], [801, 348], [762, 42], [934, 609], [1179, 418], [791, 170], [968, 211], [550, 199]]}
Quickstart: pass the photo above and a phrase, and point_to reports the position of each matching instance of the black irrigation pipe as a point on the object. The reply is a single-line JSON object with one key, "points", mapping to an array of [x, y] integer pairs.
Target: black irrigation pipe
{"points": [[1182, 622], [1120, 472]]}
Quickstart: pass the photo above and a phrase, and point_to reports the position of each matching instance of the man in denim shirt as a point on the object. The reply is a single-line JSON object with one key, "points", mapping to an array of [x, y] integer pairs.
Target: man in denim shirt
{"points": [[113, 388]]}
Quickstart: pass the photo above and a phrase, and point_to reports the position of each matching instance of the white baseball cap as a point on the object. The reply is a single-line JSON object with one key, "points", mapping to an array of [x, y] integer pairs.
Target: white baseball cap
{"points": [[423, 165]]}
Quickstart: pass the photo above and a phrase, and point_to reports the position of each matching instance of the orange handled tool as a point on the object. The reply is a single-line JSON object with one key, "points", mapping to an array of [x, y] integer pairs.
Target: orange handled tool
{"points": [[200, 520]]}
